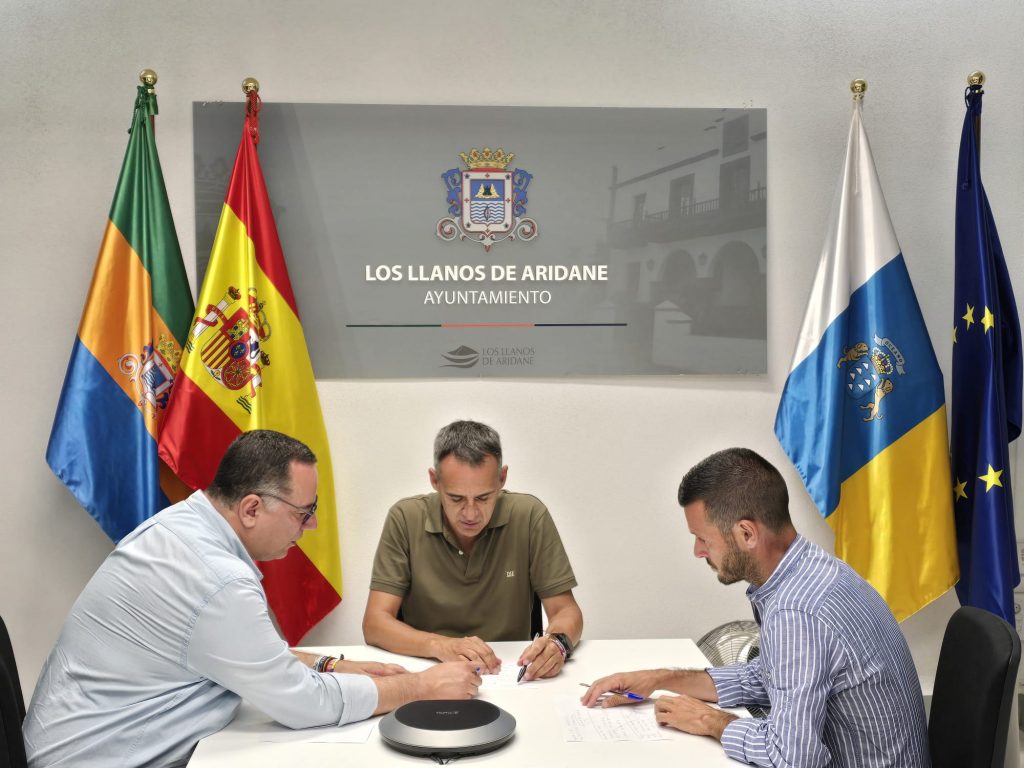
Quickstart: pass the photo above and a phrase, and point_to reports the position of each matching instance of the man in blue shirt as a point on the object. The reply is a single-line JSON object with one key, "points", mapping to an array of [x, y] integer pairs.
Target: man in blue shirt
{"points": [[173, 630], [834, 667]]}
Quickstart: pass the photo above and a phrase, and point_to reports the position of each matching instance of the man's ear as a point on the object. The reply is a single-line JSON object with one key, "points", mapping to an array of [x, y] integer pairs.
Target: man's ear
{"points": [[433, 477], [249, 508], [746, 534], [502, 475]]}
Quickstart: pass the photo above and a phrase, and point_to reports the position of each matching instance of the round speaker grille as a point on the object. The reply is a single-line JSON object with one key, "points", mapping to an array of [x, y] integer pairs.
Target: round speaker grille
{"points": [[444, 715]]}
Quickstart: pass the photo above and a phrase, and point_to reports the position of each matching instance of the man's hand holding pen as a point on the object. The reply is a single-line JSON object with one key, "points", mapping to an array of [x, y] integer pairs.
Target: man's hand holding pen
{"points": [[624, 688], [544, 657]]}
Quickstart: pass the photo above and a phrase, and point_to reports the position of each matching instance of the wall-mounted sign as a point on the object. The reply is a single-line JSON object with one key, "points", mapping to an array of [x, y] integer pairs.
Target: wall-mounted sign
{"points": [[452, 241]]}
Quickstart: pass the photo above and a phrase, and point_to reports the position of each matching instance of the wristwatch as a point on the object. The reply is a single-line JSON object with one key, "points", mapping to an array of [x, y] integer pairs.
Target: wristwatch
{"points": [[564, 641]]}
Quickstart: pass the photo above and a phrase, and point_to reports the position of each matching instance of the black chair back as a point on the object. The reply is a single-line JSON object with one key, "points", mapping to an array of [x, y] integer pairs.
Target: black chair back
{"points": [[536, 617], [12, 706], [7, 659], [974, 685]]}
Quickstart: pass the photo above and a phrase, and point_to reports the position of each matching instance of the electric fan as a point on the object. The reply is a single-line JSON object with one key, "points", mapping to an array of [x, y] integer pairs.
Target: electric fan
{"points": [[731, 643]]}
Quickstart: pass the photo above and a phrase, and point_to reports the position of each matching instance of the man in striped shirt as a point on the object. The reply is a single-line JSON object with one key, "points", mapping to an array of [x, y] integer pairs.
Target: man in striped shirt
{"points": [[834, 667]]}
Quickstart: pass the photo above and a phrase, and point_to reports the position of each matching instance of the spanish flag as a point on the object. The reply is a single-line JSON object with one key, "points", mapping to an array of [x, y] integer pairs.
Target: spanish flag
{"points": [[112, 408], [246, 367], [863, 412]]}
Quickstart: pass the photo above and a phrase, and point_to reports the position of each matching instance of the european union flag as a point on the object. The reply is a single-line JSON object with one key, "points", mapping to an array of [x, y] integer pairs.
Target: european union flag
{"points": [[986, 390]]}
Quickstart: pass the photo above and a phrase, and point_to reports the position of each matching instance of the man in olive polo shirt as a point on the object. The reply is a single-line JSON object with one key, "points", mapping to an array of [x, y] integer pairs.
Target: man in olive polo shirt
{"points": [[462, 565]]}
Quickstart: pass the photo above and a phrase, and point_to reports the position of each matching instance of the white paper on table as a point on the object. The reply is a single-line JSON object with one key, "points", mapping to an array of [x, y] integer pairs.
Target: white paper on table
{"points": [[629, 722], [506, 678], [352, 733]]}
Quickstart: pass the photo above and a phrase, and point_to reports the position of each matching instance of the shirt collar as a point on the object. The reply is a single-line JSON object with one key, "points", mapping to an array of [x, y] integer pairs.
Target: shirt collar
{"points": [[219, 527], [758, 595], [433, 521]]}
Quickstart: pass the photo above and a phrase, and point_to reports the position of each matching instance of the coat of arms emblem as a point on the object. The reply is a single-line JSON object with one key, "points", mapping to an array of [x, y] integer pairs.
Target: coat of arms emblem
{"points": [[232, 352], [152, 373], [871, 376], [486, 201]]}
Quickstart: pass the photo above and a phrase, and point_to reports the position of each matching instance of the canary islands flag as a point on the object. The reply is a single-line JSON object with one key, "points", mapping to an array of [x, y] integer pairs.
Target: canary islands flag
{"points": [[987, 380], [246, 367], [103, 445], [863, 413]]}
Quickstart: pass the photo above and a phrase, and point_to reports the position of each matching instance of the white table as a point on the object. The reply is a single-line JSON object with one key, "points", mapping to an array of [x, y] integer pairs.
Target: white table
{"points": [[539, 740]]}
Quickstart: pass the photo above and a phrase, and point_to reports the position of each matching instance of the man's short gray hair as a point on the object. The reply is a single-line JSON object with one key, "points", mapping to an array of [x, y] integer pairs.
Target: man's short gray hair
{"points": [[468, 441]]}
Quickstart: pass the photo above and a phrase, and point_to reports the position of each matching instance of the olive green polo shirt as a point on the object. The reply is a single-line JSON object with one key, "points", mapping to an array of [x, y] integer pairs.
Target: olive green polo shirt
{"points": [[487, 592]]}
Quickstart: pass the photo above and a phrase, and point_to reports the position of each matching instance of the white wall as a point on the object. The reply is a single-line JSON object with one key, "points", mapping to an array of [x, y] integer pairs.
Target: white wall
{"points": [[605, 454]]}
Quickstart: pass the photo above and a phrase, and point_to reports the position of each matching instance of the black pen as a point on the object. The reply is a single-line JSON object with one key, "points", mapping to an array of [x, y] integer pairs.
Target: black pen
{"points": [[522, 671]]}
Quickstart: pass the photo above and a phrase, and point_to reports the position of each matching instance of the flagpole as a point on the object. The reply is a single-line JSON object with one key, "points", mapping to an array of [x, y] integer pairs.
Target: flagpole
{"points": [[975, 81]]}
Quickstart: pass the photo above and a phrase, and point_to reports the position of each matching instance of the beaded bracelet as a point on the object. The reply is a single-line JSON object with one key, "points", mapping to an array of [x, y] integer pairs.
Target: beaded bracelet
{"points": [[561, 648], [327, 663]]}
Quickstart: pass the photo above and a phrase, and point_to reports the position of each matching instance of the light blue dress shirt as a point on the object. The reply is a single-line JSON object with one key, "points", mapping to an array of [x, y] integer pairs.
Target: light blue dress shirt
{"points": [[166, 639], [834, 668]]}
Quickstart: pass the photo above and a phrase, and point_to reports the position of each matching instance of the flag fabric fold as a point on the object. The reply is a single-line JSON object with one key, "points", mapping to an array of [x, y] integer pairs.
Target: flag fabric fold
{"points": [[246, 366], [987, 382], [103, 444], [862, 415]]}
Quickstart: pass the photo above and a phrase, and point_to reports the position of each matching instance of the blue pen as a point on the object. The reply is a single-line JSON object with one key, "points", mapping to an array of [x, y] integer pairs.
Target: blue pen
{"points": [[628, 694]]}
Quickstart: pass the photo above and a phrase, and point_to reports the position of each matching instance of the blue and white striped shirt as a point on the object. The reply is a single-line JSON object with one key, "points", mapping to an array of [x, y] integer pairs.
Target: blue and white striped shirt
{"points": [[834, 668]]}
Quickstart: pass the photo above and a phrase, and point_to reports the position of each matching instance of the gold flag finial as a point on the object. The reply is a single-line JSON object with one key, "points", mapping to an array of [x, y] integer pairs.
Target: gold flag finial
{"points": [[859, 88], [148, 78], [976, 79], [250, 84]]}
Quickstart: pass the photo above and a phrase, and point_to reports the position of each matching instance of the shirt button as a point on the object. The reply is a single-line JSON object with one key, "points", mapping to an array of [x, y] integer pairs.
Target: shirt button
{"points": [[460, 552]]}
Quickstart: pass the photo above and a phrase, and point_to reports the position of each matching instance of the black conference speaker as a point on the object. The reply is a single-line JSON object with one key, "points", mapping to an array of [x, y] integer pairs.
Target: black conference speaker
{"points": [[447, 728]]}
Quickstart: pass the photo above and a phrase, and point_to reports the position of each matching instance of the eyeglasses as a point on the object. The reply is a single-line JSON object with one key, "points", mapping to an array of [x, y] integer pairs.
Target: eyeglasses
{"points": [[307, 512]]}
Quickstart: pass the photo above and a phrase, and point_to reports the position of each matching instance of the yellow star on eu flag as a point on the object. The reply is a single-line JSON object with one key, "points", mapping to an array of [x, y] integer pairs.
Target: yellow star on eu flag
{"points": [[991, 478], [969, 316], [958, 489], [988, 320]]}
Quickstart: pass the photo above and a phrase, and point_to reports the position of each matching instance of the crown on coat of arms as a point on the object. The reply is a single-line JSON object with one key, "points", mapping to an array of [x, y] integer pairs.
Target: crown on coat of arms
{"points": [[881, 361], [486, 158]]}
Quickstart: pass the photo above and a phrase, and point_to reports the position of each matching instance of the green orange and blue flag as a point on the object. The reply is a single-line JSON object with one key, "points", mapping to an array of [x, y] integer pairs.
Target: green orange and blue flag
{"points": [[987, 383], [103, 445], [863, 413]]}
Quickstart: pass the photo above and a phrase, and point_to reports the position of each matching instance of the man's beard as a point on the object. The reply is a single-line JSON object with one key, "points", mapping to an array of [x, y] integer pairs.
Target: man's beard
{"points": [[736, 565]]}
